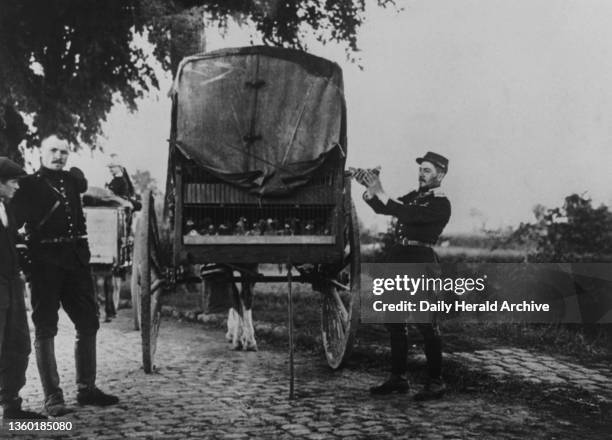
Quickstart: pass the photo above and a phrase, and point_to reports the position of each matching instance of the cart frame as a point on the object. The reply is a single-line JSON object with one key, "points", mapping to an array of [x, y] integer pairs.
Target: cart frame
{"points": [[329, 261]]}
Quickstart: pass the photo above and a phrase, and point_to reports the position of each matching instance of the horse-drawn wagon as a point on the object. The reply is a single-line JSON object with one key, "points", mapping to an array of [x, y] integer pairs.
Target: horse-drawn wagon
{"points": [[110, 241], [255, 175]]}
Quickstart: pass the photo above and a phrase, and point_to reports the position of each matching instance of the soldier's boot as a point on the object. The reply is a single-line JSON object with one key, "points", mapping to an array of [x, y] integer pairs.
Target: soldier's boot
{"points": [[395, 384], [434, 387], [20, 414], [85, 360], [12, 378], [47, 369]]}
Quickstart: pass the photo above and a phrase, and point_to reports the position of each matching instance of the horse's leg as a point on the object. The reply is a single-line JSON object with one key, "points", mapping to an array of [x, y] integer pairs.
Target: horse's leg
{"points": [[117, 282], [246, 297], [232, 323], [234, 320], [231, 319]]}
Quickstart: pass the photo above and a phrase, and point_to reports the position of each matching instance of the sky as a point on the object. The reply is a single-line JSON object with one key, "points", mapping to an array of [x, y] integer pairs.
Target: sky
{"points": [[516, 93]]}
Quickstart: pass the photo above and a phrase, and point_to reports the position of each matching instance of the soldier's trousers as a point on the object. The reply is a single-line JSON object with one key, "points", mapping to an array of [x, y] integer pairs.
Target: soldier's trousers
{"points": [[14, 343], [53, 285], [72, 287], [399, 348], [429, 331]]}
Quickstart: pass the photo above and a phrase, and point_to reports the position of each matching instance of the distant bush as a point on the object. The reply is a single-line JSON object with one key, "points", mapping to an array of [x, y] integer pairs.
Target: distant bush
{"points": [[456, 248], [575, 232], [368, 236], [484, 240]]}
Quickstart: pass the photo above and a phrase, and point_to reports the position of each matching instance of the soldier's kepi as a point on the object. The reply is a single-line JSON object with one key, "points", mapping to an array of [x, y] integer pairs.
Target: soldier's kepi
{"points": [[421, 217], [48, 203]]}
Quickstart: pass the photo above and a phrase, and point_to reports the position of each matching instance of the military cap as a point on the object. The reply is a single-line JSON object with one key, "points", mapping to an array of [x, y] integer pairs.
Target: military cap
{"points": [[9, 169], [114, 161], [435, 158]]}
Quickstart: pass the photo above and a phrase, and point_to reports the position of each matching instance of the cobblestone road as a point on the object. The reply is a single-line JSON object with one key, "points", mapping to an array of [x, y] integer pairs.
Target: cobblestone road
{"points": [[204, 390], [541, 369]]}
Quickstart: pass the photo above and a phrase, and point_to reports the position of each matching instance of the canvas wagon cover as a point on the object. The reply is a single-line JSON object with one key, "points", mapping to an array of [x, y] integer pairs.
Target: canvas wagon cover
{"points": [[261, 118]]}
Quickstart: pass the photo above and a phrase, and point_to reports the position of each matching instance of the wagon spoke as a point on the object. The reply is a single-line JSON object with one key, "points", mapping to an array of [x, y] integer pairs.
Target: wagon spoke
{"points": [[155, 285], [341, 307], [346, 260], [340, 286], [334, 333]]}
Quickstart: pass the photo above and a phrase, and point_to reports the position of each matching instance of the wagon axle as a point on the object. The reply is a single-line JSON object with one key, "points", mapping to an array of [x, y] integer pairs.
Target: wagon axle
{"points": [[174, 276]]}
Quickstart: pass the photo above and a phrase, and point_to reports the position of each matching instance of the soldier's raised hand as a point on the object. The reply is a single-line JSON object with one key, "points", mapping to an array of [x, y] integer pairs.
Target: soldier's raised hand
{"points": [[372, 182], [360, 175]]}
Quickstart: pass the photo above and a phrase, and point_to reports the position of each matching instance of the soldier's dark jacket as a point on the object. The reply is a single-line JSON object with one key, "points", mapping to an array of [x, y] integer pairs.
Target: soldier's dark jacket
{"points": [[9, 263], [8, 255], [421, 216], [119, 187], [48, 202]]}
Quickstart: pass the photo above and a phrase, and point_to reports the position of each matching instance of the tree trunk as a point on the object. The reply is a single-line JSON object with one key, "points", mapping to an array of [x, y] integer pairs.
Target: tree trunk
{"points": [[188, 36]]}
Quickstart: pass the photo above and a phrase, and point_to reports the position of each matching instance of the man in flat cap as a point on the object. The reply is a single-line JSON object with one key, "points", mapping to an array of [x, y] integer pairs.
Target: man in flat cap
{"points": [[421, 216], [14, 331], [49, 204]]}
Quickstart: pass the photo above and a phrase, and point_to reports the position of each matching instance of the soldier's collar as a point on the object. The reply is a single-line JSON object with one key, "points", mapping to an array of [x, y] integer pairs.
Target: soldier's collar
{"points": [[42, 171], [434, 192]]}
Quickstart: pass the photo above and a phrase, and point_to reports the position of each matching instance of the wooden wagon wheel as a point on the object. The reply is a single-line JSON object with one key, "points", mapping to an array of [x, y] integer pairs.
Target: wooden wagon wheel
{"points": [[340, 305], [135, 293], [148, 281]]}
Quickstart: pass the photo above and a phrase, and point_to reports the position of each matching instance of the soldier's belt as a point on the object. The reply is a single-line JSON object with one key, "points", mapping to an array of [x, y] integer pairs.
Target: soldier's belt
{"points": [[63, 239], [406, 242]]}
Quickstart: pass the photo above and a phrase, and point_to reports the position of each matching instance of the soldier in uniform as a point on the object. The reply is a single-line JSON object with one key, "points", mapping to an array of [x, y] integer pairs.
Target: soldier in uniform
{"points": [[49, 204], [421, 217], [14, 331]]}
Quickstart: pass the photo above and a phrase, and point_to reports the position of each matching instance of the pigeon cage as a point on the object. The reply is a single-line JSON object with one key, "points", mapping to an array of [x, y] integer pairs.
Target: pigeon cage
{"points": [[256, 174]]}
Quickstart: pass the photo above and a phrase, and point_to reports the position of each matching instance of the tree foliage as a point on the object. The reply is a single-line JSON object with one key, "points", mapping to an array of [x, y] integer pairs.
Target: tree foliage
{"points": [[143, 181], [577, 231], [66, 62]]}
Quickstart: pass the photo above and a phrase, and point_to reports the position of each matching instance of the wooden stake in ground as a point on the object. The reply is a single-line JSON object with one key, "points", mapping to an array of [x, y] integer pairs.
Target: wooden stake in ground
{"points": [[290, 305]]}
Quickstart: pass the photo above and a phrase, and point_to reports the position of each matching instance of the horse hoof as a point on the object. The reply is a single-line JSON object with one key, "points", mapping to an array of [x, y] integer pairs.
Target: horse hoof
{"points": [[237, 347], [251, 348]]}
